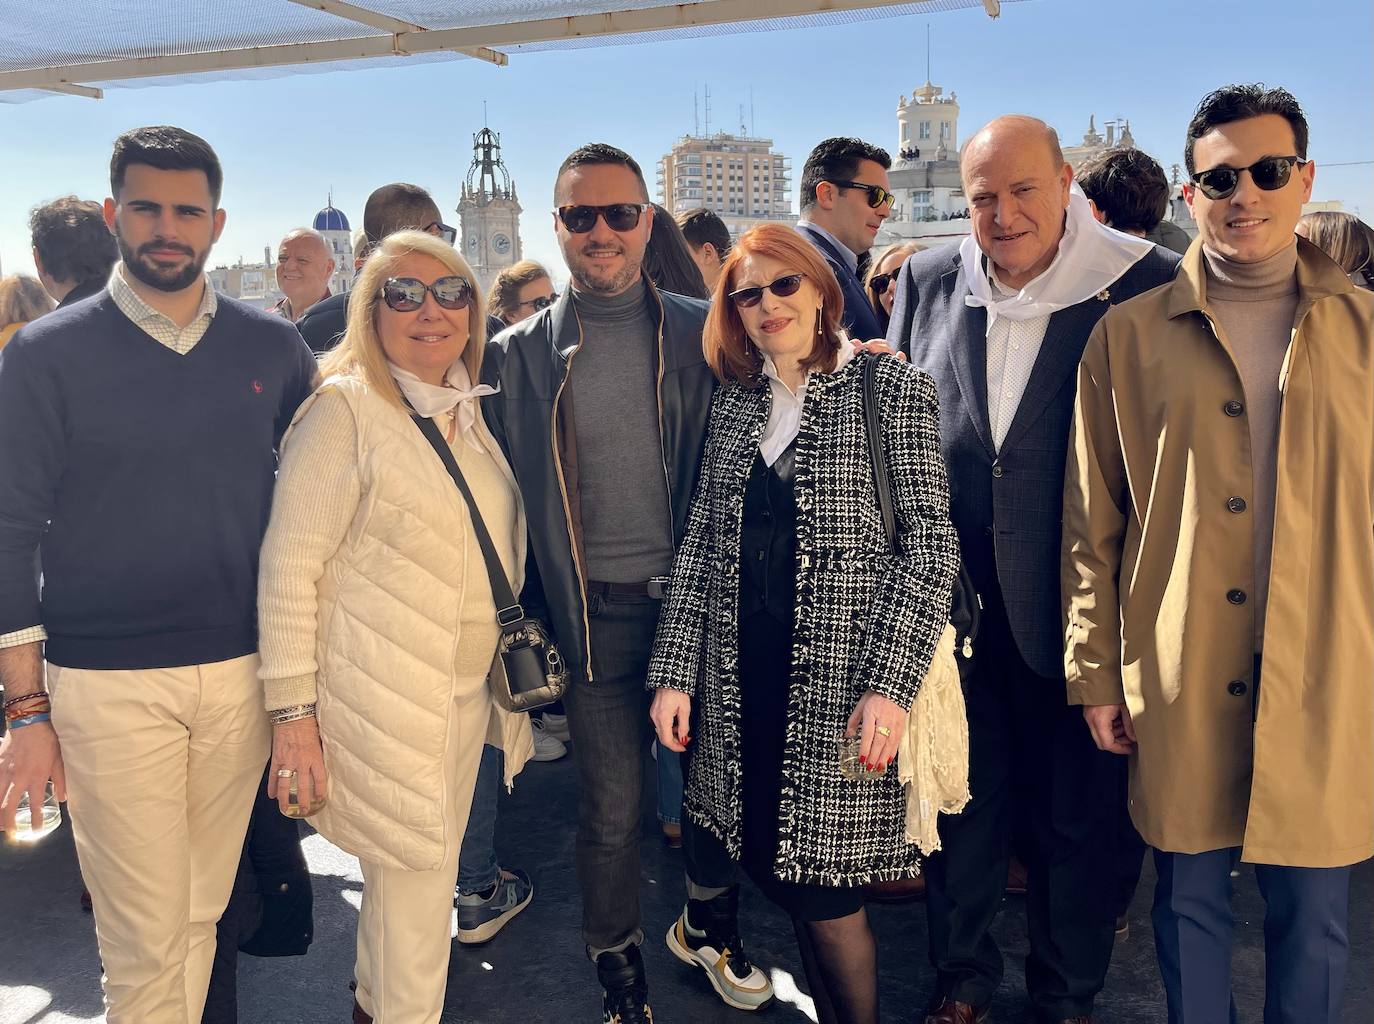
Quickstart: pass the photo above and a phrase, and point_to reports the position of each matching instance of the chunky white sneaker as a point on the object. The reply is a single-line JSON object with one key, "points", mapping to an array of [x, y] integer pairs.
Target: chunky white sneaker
{"points": [[556, 726], [546, 746], [716, 948]]}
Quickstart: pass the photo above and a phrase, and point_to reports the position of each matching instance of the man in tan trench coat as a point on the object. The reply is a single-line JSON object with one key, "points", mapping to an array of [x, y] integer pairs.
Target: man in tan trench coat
{"points": [[1219, 531]]}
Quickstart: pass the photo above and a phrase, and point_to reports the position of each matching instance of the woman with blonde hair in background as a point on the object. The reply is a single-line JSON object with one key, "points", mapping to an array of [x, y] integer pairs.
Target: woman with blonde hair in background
{"points": [[1346, 239], [880, 283], [378, 626], [21, 299]]}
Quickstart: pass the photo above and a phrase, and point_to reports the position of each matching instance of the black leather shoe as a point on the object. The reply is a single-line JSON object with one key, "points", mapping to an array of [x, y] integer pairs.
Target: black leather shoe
{"points": [[624, 989]]}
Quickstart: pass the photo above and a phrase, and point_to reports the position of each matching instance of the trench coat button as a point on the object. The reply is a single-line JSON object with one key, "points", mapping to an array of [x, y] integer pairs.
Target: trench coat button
{"points": [[1236, 504], [1236, 687], [997, 470], [987, 531], [1235, 596], [1233, 408]]}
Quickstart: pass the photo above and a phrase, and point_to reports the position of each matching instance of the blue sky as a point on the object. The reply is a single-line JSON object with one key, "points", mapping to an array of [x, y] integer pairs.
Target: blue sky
{"points": [[286, 142]]}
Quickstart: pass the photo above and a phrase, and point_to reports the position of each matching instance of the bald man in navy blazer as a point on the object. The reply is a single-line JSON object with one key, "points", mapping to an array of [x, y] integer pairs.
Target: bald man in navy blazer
{"points": [[1000, 323]]}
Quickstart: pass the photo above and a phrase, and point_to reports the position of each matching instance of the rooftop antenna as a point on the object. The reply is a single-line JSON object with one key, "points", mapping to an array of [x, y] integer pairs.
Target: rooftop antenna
{"points": [[708, 108], [741, 118], [696, 114], [484, 115]]}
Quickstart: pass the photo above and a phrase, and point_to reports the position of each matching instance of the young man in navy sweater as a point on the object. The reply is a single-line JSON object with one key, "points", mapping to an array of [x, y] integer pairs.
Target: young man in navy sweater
{"points": [[138, 430]]}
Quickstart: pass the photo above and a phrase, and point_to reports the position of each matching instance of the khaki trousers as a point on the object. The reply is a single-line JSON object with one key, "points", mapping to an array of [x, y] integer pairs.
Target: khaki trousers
{"points": [[161, 770], [405, 926]]}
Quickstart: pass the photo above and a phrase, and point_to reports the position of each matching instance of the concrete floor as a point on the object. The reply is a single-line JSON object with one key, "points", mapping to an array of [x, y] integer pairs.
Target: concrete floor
{"points": [[535, 969]]}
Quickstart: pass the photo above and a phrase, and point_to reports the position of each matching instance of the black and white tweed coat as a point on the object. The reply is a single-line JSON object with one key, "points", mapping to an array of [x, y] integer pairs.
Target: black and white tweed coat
{"points": [[865, 618]]}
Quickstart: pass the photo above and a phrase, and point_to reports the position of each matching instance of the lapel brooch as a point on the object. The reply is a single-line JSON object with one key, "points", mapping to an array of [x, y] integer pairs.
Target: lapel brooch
{"points": [[1104, 296]]}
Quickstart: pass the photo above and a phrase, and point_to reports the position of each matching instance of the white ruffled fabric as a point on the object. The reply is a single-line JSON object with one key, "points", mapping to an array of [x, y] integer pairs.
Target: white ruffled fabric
{"points": [[457, 395], [1090, 259], [932, 755]]}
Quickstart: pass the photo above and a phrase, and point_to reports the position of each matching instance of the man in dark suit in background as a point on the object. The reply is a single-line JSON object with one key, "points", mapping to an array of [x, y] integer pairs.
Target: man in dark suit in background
{"points": [[844, 200], [1001, 322]]}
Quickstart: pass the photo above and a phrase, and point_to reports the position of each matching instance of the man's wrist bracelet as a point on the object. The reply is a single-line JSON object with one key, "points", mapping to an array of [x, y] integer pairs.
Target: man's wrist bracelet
{"points": [[17, 711], [36, 695], [19, 723]]}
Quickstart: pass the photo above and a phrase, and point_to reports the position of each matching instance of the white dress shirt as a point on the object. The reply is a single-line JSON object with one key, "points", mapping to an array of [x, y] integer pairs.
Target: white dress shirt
{"points": [[784, 415], [1013, 346]]}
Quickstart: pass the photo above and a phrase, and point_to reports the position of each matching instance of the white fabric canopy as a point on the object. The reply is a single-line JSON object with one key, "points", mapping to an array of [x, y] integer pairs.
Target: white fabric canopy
{"points": [[83, 47]]}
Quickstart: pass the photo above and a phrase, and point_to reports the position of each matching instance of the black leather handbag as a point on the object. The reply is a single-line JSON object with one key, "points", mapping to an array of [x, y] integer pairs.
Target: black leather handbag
{"points": [[529, 672], [966, 606]]}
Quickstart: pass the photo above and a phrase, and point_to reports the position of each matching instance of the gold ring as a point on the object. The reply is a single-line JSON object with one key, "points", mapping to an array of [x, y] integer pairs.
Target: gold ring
{"points": [[884, 731], [286, 773]]}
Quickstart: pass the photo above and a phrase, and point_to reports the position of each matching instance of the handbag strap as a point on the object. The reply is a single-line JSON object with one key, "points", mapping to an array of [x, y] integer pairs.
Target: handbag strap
{"points": [[508, 609], [875, 452]]}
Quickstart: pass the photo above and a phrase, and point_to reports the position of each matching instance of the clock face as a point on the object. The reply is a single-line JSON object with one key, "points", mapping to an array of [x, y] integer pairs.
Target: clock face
{"points": [[500, 245]]}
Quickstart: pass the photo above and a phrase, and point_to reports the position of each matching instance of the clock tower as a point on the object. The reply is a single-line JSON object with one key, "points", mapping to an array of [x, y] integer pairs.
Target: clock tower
{"points": [[489, 211]]}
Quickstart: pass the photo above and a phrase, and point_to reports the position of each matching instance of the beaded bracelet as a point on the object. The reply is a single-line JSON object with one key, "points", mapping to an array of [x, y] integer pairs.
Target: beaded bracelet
{"points": [[37, 694], [13, 714], [19, 723]]}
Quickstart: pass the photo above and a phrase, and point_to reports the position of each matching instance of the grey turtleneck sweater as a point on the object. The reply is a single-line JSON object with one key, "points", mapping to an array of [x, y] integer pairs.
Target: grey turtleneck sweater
{"points": [[1254, 305], [627, 534]]}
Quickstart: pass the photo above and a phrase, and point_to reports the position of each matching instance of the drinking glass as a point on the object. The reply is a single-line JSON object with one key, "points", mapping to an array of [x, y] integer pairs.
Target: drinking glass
{"points": [[24, 832]]}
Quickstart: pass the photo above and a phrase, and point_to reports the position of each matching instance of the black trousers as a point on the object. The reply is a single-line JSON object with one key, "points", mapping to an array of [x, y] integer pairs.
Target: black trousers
{"points": [[271, 909], [1037, 780], [608, 718]]}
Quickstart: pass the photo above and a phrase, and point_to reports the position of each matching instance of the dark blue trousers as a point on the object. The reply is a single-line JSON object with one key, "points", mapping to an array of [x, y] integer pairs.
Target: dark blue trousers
{"points": [[1305, 943]]}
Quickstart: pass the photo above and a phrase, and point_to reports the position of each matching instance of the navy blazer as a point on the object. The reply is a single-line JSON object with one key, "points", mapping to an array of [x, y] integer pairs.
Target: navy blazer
{"points": [[859, 319], [1007, 505]]}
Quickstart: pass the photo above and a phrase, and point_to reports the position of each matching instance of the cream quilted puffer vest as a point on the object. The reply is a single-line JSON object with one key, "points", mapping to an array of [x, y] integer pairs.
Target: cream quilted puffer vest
{"points": [[390, 606]]}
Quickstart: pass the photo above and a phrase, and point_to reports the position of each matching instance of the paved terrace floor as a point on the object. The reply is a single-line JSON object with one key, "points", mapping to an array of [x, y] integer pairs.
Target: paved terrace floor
{"points": [[535, 969]]}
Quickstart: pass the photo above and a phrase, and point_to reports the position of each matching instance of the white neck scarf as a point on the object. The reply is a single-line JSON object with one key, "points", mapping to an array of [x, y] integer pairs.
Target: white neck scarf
{"points": [[1091, 257], [457, 395]]}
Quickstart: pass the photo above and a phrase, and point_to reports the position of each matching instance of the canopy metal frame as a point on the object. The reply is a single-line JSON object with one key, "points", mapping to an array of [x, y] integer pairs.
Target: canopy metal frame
{"points": [[381, 35]]}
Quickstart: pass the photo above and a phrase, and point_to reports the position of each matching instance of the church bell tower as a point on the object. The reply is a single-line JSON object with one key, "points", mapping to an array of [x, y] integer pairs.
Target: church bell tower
{"points": [[489, 211]]}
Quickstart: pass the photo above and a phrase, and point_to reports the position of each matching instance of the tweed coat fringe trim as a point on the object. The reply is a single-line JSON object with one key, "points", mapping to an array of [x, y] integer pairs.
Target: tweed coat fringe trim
{"points": [[865, 618]]}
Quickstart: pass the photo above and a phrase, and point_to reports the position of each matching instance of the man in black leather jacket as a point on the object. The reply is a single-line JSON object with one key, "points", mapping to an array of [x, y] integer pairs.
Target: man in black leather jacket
{"points": [[606, 459]]}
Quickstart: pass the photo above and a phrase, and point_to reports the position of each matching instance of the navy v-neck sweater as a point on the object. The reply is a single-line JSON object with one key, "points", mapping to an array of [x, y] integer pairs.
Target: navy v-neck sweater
{"points": [[144, 479]]}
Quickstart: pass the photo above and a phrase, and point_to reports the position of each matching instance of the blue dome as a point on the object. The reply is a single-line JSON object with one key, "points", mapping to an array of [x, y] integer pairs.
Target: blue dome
{"points": [[330, 219]]}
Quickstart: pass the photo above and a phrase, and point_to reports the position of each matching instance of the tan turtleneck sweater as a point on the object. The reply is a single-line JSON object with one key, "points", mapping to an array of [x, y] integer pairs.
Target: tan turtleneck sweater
{"points": [[1254, 306]]}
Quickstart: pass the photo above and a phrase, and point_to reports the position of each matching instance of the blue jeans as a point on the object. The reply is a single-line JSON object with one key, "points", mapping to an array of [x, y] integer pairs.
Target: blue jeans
{"points": [[669, 786], [477, 868], [1305, 944]]}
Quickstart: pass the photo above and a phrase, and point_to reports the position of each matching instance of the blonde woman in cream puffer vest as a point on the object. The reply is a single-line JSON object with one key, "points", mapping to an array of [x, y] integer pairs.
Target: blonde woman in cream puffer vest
{"points": [[377, 623]]}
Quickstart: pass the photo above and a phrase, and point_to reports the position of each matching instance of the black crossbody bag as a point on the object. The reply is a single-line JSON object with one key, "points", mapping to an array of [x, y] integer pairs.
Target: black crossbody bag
{"points": [[966, 606], [532, 674]]}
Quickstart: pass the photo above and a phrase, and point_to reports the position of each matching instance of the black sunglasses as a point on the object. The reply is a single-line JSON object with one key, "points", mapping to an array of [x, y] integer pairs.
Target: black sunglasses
{"points": [[881, 281], [1270, 174], [407, 294], [441, 230], [877, 195], [540, 302], [618, 216], [782, 287]]}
